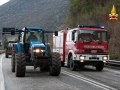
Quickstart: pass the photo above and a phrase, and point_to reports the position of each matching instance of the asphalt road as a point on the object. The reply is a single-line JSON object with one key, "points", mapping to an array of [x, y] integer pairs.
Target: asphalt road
{"points": [[86, 78]]}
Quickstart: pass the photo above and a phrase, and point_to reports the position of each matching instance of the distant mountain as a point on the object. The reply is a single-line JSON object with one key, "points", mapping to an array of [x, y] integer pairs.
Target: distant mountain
{"points": [[33, 13]]}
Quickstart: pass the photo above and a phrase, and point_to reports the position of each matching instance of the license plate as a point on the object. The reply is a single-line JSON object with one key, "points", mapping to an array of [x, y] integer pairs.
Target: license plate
{"points": [[93, 51], [94, 55]]}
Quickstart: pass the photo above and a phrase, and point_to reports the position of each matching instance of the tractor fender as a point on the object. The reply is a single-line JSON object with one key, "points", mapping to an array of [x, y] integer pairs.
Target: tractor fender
{"points": [[47, 49], [19, 47]]}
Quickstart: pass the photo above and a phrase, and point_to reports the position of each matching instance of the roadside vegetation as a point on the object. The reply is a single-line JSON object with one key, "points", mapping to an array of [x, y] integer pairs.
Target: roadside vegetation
{"points": [[93, 12]]}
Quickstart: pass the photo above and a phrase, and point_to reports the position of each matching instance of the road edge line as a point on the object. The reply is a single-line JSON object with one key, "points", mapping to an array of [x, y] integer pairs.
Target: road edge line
{"points": [[2, 77]]}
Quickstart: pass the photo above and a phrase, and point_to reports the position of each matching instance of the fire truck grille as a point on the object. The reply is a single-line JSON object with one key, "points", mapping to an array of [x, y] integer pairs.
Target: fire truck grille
{"points": [[94, 51]]}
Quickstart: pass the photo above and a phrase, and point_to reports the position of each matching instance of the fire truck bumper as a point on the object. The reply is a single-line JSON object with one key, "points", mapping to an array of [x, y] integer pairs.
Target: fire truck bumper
{"points": [[86, 57]]}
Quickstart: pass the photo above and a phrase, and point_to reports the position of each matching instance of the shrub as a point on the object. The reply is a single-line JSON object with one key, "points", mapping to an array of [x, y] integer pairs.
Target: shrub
{"points": [[114, 56]]}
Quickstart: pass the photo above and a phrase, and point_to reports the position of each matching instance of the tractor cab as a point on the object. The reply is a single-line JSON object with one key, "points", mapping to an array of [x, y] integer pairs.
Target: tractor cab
{"points": [[31, 37]]}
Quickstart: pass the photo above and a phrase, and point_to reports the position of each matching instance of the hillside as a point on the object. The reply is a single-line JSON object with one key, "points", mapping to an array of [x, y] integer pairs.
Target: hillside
{"points": [[33, 13]]}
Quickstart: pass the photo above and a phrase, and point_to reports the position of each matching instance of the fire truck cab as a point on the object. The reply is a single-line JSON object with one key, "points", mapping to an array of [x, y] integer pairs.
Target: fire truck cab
{"points": [[85, 45]]}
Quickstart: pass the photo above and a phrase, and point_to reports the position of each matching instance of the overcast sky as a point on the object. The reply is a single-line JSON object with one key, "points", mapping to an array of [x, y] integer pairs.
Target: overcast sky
{"points": [[3, 2]]}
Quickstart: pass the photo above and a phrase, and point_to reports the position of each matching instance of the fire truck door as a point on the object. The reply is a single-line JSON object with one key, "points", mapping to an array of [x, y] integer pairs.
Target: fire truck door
{"points": [[57, 43], [61, 44]]}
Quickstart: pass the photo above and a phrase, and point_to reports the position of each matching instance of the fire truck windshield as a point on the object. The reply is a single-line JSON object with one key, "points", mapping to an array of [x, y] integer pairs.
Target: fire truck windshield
{"points": [[92, 36]]}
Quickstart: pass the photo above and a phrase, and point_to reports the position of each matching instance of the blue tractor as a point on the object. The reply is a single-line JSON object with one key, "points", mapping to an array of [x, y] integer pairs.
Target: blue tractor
{"points": [[31, 50]]}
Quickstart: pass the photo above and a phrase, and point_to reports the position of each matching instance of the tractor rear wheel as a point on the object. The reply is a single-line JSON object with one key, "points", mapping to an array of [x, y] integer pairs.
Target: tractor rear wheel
{"points": [[20, 64], [13, 60], [55, 67]]}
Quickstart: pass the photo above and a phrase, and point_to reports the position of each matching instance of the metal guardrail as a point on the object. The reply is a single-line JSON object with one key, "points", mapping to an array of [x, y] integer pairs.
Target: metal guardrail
{"points": [[113, 62]]}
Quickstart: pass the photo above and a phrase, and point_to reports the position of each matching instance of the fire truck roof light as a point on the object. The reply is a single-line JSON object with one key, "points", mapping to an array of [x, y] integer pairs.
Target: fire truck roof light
{"points": [[102, 27], [82, 26]]}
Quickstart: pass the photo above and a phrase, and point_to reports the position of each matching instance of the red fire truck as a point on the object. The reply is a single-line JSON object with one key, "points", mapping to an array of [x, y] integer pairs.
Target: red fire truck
{"points": [[85, 45]]}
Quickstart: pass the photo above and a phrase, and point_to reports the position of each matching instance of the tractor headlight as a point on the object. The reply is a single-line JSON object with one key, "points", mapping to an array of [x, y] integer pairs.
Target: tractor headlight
{"points": [[37, 50], [42, 50], [105, 58]]}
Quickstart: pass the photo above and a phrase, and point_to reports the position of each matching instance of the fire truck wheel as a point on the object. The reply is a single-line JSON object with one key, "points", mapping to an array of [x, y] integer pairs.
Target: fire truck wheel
{"points": [[100, 66], [55, 67], [20, 64], [6, 56], [73, 67], [13, 60], [62, 63]]}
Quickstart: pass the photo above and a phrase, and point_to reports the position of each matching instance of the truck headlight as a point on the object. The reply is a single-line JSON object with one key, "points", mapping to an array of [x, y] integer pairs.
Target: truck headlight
{"points": [[82, 57], [105, 58]]}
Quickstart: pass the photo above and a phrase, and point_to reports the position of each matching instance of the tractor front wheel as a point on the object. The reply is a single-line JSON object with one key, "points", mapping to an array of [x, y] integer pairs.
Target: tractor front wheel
{"points": [[55, 66], [20, 64]]}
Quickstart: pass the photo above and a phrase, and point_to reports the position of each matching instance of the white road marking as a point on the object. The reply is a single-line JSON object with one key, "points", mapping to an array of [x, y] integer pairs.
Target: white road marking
{"points": [[2, 87], [105, 87]]}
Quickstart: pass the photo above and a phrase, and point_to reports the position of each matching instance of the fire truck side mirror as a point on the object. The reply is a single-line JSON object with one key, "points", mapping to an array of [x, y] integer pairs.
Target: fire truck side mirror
{"points": [[12, 32], [108, 36], [56, 33]]}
